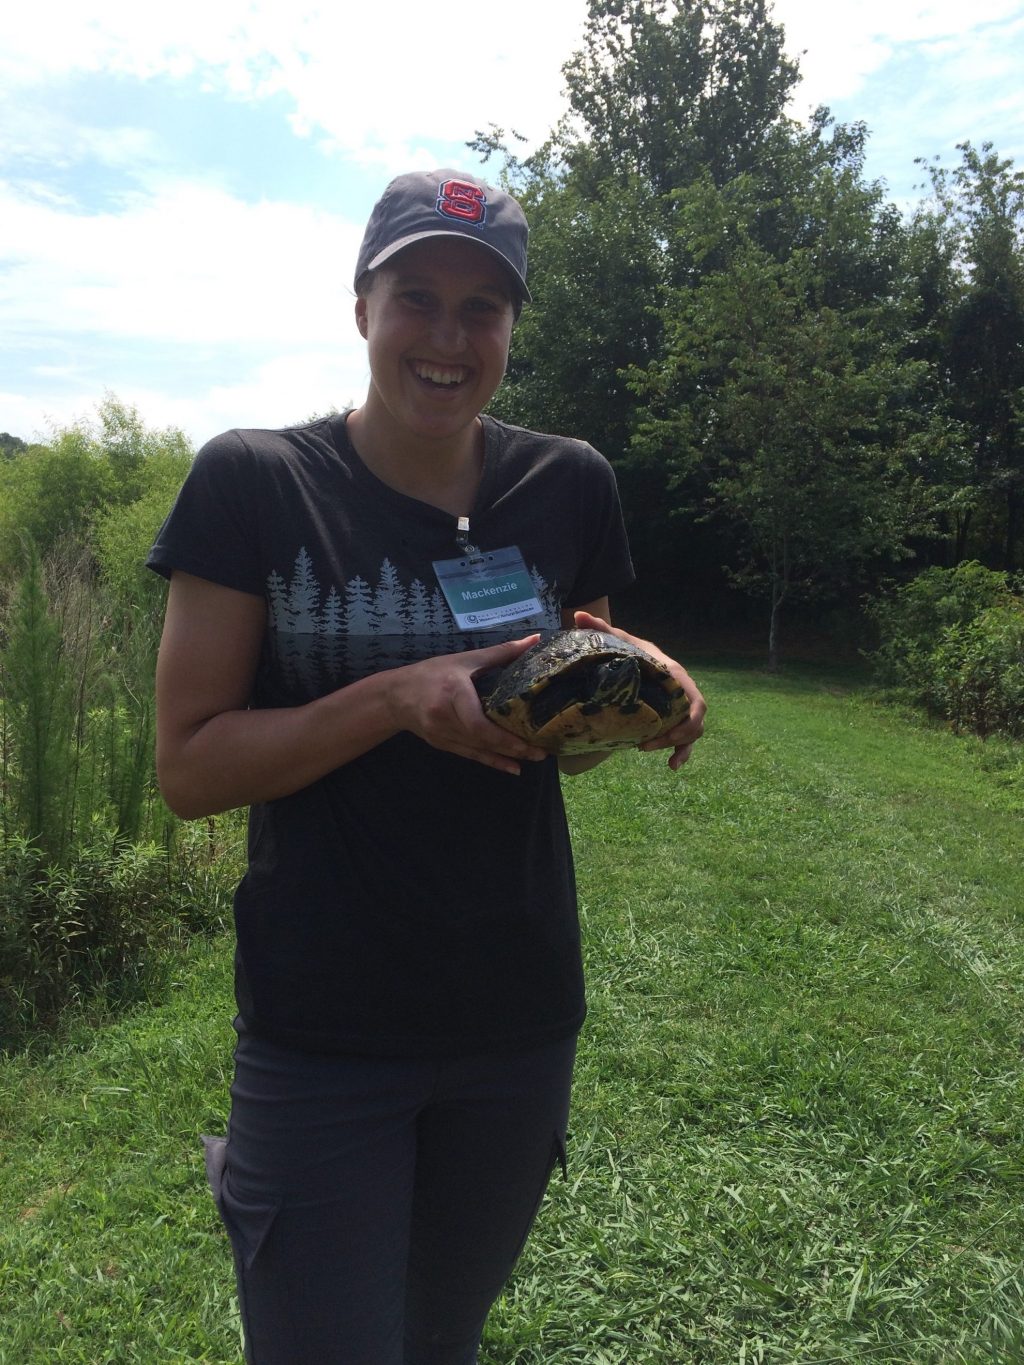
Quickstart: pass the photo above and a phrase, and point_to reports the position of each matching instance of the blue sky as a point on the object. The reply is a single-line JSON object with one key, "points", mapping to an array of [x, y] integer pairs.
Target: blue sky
{"points": [[182, 192]]}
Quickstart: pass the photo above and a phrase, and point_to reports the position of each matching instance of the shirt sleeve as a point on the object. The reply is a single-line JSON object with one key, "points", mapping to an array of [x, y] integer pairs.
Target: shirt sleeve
{"points": [[213, 529], [605, 564]]}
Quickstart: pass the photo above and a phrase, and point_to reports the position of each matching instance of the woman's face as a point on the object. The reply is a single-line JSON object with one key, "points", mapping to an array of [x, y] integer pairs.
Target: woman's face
{"points": [[438, 321]]}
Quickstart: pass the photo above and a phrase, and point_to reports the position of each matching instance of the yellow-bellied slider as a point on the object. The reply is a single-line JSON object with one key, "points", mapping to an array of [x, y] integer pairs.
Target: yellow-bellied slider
{"points": [[582, 690]]}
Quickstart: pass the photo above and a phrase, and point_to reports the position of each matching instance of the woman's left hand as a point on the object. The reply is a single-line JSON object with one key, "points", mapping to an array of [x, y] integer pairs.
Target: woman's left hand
{"points": [[681, 738]]}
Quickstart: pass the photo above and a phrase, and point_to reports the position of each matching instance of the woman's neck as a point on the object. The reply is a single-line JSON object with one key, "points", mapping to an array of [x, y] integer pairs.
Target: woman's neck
{"points": [[444, 473]]}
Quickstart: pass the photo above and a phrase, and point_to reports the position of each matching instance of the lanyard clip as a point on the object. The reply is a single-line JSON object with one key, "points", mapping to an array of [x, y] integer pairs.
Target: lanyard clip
{"points": [[462, 538]]}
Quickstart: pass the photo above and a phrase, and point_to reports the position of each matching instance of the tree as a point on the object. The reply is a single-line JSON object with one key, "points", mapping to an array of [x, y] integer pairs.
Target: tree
{"points": [[671, 89], [61, 491], [11, 445], [774, 411], [720, 305], [661, 91], [594, 278], [939, 452], [131, 449], [976, 226]]}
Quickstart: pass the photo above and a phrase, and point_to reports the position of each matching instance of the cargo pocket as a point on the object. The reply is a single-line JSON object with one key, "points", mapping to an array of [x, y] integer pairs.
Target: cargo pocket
{"points": [[247, 1221], [558, 1155], [557, 1158]]}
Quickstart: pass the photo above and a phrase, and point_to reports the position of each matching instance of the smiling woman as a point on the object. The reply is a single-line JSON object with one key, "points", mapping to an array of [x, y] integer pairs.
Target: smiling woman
{"points": [[438, 321], [409, 975]]}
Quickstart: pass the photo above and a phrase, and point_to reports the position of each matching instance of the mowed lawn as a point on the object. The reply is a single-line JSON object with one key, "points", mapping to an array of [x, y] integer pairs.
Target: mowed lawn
{"points": [[798, 1131]]}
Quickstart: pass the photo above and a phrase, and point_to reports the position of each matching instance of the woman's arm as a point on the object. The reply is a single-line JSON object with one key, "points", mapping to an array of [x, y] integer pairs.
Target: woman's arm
{"points": [[214, 753]]}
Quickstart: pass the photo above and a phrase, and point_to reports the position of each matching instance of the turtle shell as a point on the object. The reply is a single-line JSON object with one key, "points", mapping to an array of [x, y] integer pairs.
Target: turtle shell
{"points": [[581, 690]]}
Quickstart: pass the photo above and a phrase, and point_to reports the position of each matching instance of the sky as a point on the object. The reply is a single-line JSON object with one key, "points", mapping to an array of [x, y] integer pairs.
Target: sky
{"points": [[183, 188]]}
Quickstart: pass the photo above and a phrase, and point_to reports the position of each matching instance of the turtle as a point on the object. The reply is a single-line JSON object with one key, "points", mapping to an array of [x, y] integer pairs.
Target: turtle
{"points": [[581, 690]]}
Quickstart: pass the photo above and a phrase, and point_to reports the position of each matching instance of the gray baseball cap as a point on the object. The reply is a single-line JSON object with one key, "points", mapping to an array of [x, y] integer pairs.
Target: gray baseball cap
{"points": [[446, 203]]}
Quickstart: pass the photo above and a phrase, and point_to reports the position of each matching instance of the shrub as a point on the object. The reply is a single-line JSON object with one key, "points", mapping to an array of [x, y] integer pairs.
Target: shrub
{"points": [[102, 921], [952, 640], [979, 671], [90, 925], [911, 623], [97, 879]]}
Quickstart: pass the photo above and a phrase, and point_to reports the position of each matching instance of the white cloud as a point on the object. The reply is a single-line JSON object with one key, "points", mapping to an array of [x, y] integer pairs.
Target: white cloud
{"points": [[440, 82], [183, 271], [372, 82], [839, 53], [924, 76], [56, 37], [278, 391], [188, 263], [375, 84], [39, 137], [282, 390]]}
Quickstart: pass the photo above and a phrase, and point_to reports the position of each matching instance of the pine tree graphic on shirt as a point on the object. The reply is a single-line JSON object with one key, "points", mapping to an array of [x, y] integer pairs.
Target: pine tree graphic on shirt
{"points": [[419, 609], [357, 618], [333, 634], [360, 630]]}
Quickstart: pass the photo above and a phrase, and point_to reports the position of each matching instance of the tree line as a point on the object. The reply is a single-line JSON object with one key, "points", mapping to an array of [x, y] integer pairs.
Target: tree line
{"points": [[805, 394]]}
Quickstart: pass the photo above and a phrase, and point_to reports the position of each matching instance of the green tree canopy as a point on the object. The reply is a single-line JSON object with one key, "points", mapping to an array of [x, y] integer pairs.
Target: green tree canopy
{"points": [[63, 490], [673, 89], [776, 412], [969, 269]]}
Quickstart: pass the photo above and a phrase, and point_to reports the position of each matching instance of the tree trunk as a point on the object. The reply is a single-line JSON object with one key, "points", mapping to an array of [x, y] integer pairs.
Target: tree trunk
{"points": [[779, 584], [1014, 502], [778, 594]]}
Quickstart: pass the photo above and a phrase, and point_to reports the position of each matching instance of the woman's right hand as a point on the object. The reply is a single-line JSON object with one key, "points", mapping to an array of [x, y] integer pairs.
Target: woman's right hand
{"points": [[436, 700]]}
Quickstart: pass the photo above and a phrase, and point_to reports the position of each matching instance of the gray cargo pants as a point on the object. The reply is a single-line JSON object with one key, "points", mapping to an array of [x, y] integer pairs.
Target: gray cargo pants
{"points": [[376, 1206]]}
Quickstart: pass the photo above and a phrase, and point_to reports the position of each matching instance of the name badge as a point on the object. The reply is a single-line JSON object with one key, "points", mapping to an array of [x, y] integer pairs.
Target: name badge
{"points": [[487, 588]]}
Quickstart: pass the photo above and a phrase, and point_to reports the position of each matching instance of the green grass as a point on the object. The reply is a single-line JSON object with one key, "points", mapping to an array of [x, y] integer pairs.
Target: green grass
{"points": [[797, 1128]]}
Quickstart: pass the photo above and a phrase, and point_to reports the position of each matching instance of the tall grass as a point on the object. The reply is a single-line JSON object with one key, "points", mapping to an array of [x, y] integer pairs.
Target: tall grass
{"points": [[92, 865], [797, 1133], [76, 709], [37, 718]]}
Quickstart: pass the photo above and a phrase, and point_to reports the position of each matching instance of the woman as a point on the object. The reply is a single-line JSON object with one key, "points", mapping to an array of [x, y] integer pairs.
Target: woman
{"points": [[408, 968]]}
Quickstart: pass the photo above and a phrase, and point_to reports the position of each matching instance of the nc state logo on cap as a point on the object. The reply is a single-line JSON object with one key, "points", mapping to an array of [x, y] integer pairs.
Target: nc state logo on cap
{"points": [[463, 201], [446, 203]]}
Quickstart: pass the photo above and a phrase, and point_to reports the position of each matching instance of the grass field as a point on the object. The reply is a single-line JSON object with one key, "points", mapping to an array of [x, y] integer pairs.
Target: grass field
{"points": [[798, 1132]]}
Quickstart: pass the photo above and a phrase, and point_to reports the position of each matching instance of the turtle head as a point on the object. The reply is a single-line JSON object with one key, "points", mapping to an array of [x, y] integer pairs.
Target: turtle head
{"points": [[617, 683]]}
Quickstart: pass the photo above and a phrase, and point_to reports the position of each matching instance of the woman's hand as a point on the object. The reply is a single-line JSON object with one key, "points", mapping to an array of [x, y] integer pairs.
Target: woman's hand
{"points": [[436, 700], [681, 738]]}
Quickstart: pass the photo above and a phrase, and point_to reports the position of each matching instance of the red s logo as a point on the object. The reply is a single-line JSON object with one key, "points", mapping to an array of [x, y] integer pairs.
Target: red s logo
{"points": [[459, 199]]}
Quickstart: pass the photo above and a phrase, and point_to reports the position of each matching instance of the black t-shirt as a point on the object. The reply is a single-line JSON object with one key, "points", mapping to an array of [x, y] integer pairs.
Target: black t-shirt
{"points": [[410, 902]]}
